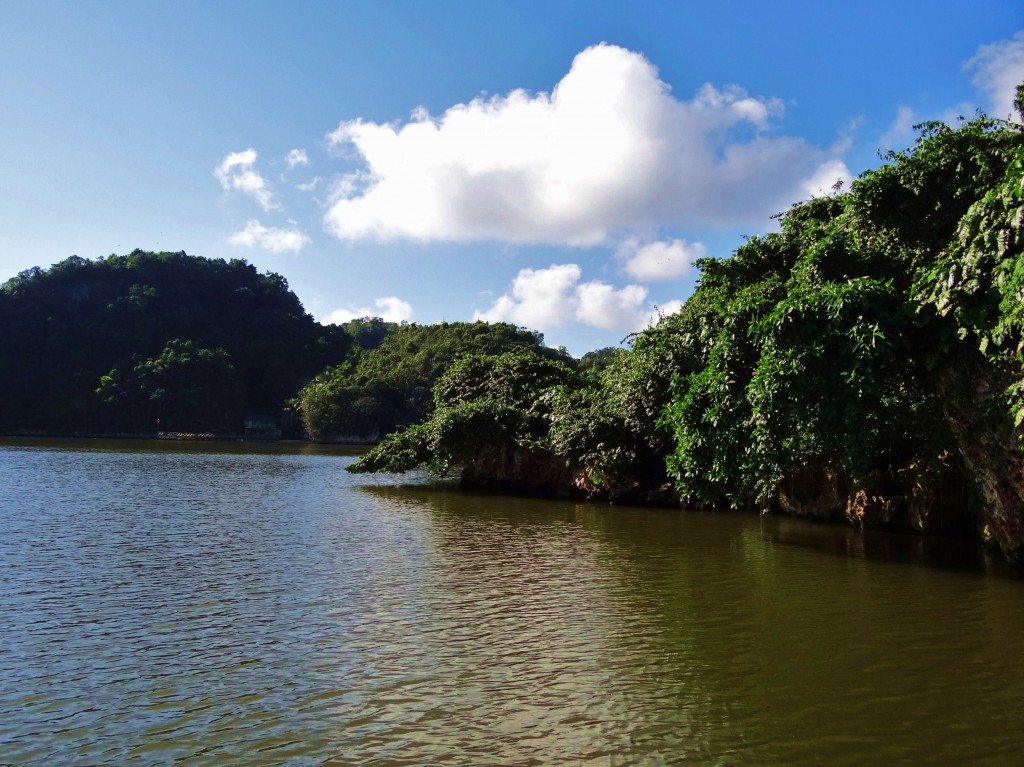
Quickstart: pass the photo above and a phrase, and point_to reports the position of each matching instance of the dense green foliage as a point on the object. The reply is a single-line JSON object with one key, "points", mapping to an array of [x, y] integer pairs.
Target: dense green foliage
{"points": [[824, 354], [387, 384], [865, 360], [116, 343], [599, 359], [184, 385], [480, 401]]}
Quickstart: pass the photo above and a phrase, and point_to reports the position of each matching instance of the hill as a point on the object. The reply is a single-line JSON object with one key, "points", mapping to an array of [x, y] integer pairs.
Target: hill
{"points": [[114, 344]]}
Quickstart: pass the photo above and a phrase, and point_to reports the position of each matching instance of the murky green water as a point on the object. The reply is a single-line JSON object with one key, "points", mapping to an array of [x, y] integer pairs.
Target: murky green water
{"points": [[213, 604]]}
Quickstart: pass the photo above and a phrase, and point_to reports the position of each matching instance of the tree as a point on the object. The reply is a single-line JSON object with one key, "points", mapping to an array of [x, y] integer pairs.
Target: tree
{"points": [[185, 388], [382, 388], [481, 402], [64, 328]]}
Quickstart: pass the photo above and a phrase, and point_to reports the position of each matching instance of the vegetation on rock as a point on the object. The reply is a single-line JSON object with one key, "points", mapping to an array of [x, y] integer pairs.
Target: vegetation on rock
{"points": [[865, 361]]}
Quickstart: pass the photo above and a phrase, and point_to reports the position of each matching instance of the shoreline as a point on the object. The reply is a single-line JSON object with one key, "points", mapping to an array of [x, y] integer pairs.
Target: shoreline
{"points": [[170, 437]]}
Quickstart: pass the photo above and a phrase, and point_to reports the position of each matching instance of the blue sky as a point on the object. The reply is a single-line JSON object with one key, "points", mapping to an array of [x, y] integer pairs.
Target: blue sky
{"points": [[557, 165]]}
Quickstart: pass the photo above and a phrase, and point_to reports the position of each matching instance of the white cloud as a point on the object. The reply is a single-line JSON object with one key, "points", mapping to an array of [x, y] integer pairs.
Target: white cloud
{"points": [[544, 299], [664, 310], [664, 260], [829, 178], [269, 238], [661, 310], [236, 171], [308, 186], [901, 133], [297, 157], [602, 306], [539, 298], [607, 152], [998, 69], [388, 308]]}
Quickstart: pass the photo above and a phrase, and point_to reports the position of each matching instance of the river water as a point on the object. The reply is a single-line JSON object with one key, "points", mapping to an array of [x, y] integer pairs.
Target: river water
{"points": [[210, 604]]}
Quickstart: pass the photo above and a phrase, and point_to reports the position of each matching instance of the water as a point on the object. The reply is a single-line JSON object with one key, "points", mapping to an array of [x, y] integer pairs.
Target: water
{"points": [[216, 604]]}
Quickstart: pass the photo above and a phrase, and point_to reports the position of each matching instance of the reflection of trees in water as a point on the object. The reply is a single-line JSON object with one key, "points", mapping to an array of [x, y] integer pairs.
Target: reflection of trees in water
{"points": [[588, 613], [875, 545], [854, 638], [776, 636]]}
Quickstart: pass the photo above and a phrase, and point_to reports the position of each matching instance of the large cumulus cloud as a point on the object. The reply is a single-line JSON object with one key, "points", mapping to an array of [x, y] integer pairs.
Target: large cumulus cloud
{"points": [[608, 152]]}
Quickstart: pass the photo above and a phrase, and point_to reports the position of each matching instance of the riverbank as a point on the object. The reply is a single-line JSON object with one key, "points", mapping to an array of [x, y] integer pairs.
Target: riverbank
{"points": [[165, 435]]}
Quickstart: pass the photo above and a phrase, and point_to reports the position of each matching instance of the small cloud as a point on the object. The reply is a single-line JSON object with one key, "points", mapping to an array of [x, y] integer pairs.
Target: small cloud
{"points": [[255, 235], [901, 133], [828, 179], [732, 104], [545, 299], [998, 69], [297, 157], [600, 305], [309, 186], [388, 308], [663, 310], [539, 298], [236, 171], [664, 260]]}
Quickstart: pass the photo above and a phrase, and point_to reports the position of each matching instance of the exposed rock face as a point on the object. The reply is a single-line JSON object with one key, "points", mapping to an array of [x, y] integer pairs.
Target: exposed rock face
{"points": [[513, 468], [997, 468], [816, 490], [1002, 517], [516, 469], [625, 490], [993, 452], [929, 502]]}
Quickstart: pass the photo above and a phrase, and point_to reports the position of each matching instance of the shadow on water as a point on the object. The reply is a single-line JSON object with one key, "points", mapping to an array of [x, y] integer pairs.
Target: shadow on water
{"points": [[936, 553], [760, 640], [902, 548], [580, 616]]}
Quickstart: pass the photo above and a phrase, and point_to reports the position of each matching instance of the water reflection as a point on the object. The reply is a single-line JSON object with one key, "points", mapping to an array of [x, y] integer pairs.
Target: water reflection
{"points": [[880, 546], [268, 608], [738, 645]]}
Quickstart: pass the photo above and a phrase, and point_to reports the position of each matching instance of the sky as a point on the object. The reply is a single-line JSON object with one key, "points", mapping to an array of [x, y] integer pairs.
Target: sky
{"points": [[557, 165]]}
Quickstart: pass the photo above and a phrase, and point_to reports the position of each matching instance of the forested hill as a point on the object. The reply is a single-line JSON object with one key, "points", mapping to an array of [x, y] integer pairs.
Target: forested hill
{"points": [[112, 345], [170, 342]]}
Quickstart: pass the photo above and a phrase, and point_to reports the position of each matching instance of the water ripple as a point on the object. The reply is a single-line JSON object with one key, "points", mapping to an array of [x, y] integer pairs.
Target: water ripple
{"points": [[259, 608]]}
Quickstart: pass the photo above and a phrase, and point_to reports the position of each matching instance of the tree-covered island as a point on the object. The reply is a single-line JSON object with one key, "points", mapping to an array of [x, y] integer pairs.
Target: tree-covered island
{"points": [[865, 362]]}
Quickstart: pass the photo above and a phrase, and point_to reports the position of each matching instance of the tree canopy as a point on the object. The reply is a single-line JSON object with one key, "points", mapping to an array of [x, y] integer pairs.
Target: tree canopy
{"points": [[388, 384], [140, 327]]}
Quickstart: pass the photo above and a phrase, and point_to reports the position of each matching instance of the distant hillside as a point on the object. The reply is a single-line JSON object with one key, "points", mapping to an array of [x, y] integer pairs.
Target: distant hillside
{"points": [[117, 343], [386, 382]]}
